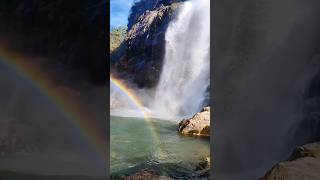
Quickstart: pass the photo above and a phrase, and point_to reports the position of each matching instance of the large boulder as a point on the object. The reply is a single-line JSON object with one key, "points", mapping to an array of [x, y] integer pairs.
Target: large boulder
{"points": [[198, 125], [304, 164]]}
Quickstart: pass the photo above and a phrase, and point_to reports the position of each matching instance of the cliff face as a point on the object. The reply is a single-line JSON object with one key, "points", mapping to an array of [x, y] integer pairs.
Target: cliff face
{"points": [[145, 41]]}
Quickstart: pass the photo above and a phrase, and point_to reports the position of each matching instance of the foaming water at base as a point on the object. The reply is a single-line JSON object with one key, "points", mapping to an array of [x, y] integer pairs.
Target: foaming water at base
{"points": [[131, 112], [125, 112]]}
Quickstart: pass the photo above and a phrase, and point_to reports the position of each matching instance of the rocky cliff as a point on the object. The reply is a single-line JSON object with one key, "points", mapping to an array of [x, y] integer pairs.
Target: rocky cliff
{"points": [[145, 41]]}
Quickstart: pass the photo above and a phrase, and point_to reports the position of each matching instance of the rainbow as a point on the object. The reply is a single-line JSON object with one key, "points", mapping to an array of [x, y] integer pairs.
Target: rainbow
{"points": [[67, 102], [130, 93], [147, 117]]}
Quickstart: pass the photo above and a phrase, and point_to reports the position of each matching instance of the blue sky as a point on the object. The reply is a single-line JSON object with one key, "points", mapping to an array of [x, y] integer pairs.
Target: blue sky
{"points": [[119, 12]]}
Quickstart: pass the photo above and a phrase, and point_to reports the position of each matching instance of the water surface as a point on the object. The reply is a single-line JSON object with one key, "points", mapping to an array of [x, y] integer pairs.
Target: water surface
{"points": [[156, 145]]}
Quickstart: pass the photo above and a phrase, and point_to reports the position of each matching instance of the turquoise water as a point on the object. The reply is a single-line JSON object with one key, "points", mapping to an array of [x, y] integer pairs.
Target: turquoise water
{"points": [[156, 145]]}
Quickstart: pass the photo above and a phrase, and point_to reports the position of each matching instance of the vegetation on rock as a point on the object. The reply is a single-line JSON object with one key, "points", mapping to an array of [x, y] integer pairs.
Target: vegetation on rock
{"points": [[117, 36]]}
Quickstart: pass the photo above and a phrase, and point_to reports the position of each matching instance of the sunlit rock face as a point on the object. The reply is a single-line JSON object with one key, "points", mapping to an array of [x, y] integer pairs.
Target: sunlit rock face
{"points": [[198, 125], [303, 164], [145, 41]]}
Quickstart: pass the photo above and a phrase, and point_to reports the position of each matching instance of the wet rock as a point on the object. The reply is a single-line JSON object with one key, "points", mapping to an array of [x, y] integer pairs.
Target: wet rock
{"points": [[204, 163], [198, 125], [304, 164]]}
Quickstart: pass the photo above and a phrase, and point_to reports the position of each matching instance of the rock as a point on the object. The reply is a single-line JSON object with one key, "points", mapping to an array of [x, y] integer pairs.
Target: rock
{"points": [[198, 125], [203, 168], [204, 164], [304, 164], [308, 150], [145, 41]]}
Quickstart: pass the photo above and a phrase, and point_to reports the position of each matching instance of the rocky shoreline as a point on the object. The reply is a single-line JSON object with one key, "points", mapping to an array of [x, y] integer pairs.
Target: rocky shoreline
{"points": [[198, 126]]}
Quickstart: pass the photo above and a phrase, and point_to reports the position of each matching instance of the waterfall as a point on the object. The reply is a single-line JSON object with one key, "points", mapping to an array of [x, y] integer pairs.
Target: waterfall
{"points": [[185, 77]]}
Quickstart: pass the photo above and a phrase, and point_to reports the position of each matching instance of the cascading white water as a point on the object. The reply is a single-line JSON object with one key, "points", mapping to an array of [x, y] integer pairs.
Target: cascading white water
{"points": [[185, 78]]}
